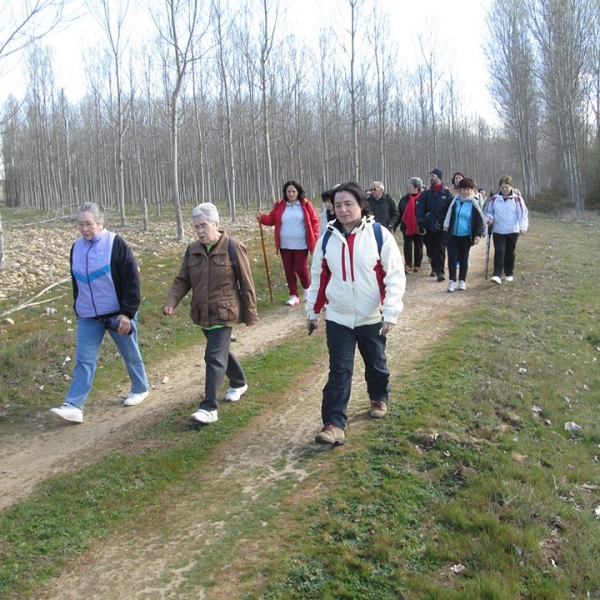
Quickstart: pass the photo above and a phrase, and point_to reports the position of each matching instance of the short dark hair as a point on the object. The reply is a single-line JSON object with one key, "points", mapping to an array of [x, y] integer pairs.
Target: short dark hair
{"points": [[301, 192], [467, 182], [353, 188]]}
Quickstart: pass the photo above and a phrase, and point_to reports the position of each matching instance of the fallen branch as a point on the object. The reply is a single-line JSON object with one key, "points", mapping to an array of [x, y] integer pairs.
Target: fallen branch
{"points": [[31, 302]]}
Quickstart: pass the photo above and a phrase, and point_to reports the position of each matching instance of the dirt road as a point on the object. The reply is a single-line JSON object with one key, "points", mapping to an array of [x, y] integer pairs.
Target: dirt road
{"points": [[273, 451]]}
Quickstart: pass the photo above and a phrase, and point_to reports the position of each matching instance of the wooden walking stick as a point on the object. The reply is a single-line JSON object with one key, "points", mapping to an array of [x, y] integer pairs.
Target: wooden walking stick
{"points": [[262, 240]]}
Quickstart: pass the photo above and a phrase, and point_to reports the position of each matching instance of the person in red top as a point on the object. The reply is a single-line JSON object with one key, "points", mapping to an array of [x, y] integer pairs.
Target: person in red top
{"points": [[296, 225]]}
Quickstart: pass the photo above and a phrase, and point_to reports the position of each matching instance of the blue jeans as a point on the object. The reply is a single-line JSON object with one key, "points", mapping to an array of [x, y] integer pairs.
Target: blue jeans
{"points": [[90, 333], [341, 343], [220, 363]]}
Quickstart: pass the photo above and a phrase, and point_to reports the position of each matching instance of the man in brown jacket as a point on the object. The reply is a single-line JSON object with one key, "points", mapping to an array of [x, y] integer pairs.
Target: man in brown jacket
{"points": [[217, 270]]}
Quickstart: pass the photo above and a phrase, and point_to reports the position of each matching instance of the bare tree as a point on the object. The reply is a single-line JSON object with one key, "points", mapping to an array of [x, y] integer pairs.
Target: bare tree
{"points": [[22, 24], [267, 38], [224, 56], [182, 20], [513, 87], [111, 17], [563, 32]]}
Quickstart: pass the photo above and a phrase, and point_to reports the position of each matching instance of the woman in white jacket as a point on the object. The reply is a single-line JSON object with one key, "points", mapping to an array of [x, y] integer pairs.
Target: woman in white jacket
{"points": [[358, 276], [509, 217]]}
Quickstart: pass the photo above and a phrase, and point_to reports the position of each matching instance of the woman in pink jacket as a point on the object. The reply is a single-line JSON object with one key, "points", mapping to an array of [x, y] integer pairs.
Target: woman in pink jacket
{"points": [[296, 231]]}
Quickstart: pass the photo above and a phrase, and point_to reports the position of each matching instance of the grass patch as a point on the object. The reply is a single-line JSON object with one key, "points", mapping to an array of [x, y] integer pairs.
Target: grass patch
{"points": [[472, 488]]}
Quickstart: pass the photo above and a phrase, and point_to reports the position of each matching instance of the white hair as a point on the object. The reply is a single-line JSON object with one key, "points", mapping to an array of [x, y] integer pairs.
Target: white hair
{"points": [[208, 210]]}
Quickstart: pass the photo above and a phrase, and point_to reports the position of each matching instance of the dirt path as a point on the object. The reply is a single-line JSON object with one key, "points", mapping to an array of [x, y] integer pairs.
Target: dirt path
{"points": [[273, 451]]}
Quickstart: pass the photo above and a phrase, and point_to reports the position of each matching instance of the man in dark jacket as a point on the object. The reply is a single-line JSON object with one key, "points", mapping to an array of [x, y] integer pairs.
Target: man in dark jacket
{"points": [[383, 207], [429, 213]]}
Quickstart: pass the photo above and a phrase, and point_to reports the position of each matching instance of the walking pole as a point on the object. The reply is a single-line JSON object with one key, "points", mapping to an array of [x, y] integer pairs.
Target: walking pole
{"points": [[262, 240], [488, 237]]}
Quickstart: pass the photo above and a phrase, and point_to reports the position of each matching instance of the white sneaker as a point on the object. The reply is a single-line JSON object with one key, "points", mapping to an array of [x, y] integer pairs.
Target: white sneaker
{"points": [[234, 394], [496, 279], [134, 399], [305, 295], [509, 278], [68, 412], [462, 285], [451, 286], [204, 416], [293, 301]]}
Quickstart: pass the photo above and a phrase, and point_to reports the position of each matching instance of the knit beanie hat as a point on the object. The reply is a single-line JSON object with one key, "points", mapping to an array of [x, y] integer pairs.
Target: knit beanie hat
{"points": [[437, 172]]}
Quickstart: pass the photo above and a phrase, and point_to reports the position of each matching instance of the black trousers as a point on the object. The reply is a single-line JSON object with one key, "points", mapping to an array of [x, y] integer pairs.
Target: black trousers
{"points": [[505, 251], [436, 250]]}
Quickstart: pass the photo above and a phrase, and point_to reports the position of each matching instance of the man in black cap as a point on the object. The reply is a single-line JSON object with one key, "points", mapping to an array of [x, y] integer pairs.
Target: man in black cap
{"points": [[430, 216]]}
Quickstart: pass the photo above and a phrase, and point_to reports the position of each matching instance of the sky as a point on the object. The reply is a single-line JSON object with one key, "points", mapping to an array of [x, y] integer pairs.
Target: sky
{"points": [[406, 20]]}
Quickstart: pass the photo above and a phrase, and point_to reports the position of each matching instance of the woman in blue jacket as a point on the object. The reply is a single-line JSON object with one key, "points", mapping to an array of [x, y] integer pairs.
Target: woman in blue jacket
{"points": [[106, 290], [465, 222]]}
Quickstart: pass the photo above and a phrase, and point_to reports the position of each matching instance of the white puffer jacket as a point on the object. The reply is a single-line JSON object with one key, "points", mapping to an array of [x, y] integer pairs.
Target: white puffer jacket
{"points": [[354, 284]]}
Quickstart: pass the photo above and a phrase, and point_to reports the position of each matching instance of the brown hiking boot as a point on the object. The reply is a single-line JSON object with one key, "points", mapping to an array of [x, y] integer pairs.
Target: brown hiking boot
{"points": [[378, 409], [331, 434]]}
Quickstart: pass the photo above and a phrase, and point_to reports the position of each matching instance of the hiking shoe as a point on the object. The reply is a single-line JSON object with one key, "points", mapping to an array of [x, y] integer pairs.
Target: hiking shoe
{"points": [[331, 434], [305, 295], [134, 399], [378, 409], [234, 394], [462, 285], [68, 412], [432, 274], [204, 416], [509, 278], [293, 301], [441, 277], [451, 286], [496, 279]]}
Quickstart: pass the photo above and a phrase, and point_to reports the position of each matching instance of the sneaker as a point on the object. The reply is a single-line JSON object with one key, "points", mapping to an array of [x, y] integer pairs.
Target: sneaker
{"points": [[432, 274], [509, 278], [495, 279], [378, 409], [451, 286], [68, 412], [331, 434], [293, 301], [234, 394], [416, 269], [462, 285], [134, 399], [204, 416], [305, 295], [441, 277], [407, 269]]}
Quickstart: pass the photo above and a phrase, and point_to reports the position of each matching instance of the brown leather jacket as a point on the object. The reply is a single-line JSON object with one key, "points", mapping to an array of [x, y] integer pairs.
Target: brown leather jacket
{"points": [[216, 299]]}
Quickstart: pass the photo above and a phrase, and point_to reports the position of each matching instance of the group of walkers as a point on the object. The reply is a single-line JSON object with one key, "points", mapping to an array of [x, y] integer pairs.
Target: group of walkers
{"points": [[357, 277]]}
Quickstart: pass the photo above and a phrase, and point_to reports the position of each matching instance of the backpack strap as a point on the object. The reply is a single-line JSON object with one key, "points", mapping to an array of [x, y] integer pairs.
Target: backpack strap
{"points": [[376, 230]]}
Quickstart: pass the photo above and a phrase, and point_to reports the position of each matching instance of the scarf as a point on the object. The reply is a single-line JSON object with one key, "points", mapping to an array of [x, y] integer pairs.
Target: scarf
{"points": [[409, 218]]}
